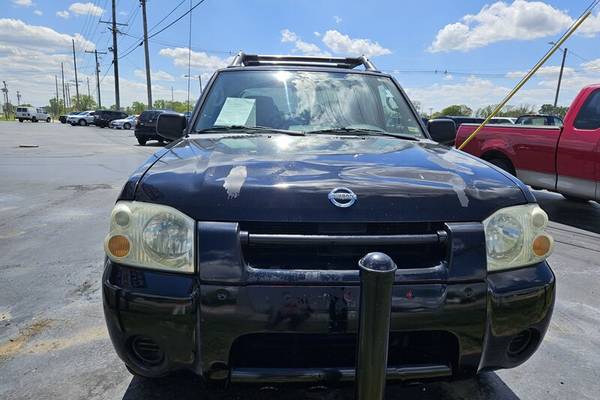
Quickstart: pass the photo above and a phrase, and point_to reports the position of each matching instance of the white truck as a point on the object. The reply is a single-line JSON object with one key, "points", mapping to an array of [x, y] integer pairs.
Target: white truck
{"points": [[33, 114]]}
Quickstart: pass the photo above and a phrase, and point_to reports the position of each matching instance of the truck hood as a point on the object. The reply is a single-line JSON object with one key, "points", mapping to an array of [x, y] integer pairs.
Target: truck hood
{"points": [[278, 177]]}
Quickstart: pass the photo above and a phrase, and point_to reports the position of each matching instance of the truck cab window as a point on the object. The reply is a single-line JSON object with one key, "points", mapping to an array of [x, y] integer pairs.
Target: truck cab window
{"points": [[589, 116]]}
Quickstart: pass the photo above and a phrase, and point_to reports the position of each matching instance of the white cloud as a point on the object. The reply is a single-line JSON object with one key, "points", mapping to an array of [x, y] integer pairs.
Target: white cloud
{"points": [[62, 14], [159, 75], [31, 55], [300, 46], [199, 59], [38, 12], [85, 9], [337, 19], [288, 36], [17, 33], [550, 70], [474, 92], [477, 92], [123, 13], [591, 26], [593, 65], [131, 91], [343, 44], [317, 34], [23, 3], [521, 20]]}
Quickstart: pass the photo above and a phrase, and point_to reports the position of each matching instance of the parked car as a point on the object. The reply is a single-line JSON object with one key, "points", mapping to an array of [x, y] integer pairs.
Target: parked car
{"points": [[539, 120], [33, 114], [563, 159], [458, 120], [502, 120], [82, 118], [124, 123], [63, 118], [234, 252], [103, 118], [145, 127]]}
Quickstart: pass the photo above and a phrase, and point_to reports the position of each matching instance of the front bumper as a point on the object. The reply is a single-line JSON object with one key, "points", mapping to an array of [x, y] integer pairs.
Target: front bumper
{"points": [[224, 330]]}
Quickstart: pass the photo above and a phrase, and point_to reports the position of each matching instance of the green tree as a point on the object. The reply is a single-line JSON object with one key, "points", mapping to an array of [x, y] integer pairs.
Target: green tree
{"points": [[517, 111], [85, 102], [507, 111], [550, 109], [56, 108], [455, 109], [137, 107], [177, 106], [8, 109]]}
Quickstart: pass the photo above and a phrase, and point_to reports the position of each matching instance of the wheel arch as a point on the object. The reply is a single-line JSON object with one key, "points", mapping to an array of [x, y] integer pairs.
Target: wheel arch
{"points": [[495, 154]]}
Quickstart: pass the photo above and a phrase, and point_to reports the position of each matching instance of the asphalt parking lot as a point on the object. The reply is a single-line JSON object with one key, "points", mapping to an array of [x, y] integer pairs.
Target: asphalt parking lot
{"points": [[54, 205]]}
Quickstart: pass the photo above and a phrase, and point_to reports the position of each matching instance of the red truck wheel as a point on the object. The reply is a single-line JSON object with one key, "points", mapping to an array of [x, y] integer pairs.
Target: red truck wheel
{"points": [[503, 164]]}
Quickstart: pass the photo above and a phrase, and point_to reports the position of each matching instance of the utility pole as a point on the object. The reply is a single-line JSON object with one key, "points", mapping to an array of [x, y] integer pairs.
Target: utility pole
{"points": [[172, 99], [88, 83], [68, 95], [5, 91], [96, 52], [562, 67], [76, 81], [57, 104], [147, 54], [62, 74], [115, 51], [18, 98]]}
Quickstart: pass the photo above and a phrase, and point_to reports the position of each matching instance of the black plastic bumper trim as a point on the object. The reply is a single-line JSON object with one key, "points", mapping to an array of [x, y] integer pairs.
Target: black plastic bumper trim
{"points": [[311, 375]]}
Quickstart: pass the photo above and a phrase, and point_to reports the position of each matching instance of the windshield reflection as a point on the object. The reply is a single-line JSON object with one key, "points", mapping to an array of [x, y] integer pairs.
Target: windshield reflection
{"points": [[306, 101]]}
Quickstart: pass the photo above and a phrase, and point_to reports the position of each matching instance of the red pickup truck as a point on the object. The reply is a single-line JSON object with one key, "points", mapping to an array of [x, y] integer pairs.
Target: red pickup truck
{"points": [[561, 159]]}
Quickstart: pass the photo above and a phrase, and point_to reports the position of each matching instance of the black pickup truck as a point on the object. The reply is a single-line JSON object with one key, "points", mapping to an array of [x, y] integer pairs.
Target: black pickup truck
{"points": [[233, 252]]}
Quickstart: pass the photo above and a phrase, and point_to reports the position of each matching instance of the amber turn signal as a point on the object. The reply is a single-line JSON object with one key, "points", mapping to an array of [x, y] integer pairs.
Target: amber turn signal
{"points": [[119, 246], [542, 245]]}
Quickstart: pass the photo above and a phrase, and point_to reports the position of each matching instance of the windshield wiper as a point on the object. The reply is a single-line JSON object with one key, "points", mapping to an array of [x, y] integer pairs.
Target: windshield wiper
{"points": [[362, 132], [248, 129]]}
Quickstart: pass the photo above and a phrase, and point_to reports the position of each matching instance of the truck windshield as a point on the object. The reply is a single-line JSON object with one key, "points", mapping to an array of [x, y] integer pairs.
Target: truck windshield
{"points": [[307, 101]]}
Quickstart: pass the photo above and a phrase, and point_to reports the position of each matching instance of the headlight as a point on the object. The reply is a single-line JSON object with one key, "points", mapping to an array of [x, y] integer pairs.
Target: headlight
{"points": [[515, 237], [151, 236]]}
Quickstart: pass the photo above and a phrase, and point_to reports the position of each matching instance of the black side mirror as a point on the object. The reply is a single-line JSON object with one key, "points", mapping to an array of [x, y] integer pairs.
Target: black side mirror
{"points": [[442, 130], [171, 126]]}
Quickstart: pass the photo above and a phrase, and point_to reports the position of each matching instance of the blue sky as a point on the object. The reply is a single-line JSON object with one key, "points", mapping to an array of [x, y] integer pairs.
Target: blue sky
{"points": [[479, 48]]}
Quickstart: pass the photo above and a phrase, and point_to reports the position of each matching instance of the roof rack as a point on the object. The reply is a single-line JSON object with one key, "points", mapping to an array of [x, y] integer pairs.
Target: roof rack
{"points": [[244, 60]]}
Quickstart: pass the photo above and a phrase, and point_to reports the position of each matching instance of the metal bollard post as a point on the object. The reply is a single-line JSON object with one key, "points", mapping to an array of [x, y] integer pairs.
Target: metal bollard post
{"points": [[376, 279]]}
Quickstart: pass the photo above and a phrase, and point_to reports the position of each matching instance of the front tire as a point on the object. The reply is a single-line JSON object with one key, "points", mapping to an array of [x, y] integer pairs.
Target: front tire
{"points": [[141, 141], [82, 122], [34, 119], [20, 119], [48, 120], [127, 126]]}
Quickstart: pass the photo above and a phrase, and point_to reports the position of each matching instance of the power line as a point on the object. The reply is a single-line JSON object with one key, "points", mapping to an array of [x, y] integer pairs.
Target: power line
{"points": [[166, 16], [106, 72], [179, 18], [135, 45]]}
